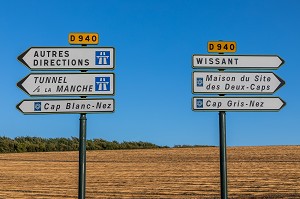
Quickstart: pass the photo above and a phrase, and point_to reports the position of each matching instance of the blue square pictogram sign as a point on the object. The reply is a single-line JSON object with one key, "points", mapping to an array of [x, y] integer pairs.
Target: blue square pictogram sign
{"points": [[37, 106], [199, 103], [102, 83], [199, 82], [102, 57]]}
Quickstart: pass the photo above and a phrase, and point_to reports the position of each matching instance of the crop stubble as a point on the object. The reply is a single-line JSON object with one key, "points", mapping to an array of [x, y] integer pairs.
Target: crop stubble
{"points": [[253, 172]]}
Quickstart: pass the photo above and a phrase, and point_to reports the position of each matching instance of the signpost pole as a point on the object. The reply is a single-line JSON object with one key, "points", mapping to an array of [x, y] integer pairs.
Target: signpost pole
{"points": [[202, 84], [96, 59], [82, 157], [223, 152], [82, 154], [223, 156]]}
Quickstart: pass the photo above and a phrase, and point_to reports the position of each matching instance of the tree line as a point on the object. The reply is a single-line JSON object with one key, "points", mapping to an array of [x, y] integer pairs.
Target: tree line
{"points": [[38, 144]]}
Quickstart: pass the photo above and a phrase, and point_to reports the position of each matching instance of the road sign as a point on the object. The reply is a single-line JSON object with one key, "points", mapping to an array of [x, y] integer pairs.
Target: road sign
{"points": [[68, 58], [58, 106], [68, 84], [83, 38], [237, 61], [237, 104], [221, 46], [236, 83]]}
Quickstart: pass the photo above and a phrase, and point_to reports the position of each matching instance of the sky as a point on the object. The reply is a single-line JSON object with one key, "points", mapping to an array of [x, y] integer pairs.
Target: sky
{"points": [[154, 42]]}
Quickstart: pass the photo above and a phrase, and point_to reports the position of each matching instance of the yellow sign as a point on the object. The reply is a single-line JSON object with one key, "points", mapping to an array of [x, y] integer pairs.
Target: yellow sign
{"points": [[221, 46], [84, 38]]}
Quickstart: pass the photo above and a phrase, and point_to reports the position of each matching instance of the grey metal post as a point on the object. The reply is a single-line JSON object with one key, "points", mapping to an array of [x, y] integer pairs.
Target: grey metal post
{"points": [[82, 154], [223, 152], [223, 156], [82, 157]]}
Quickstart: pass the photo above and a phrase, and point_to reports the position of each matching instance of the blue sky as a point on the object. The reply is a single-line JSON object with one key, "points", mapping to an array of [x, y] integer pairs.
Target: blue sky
{"points": [[154, 42]]}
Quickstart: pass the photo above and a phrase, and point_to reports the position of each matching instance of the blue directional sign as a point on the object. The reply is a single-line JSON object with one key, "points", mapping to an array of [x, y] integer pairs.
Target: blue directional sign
{"points": [[102, 83], [102, 58]]}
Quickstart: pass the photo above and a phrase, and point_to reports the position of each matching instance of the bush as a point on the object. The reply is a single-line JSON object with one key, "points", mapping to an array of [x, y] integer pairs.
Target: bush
{"points": [[38, 144]]}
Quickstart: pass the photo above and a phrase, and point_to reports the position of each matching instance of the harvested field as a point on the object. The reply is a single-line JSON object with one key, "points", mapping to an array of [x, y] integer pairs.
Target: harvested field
{"points": [[253, 172]]}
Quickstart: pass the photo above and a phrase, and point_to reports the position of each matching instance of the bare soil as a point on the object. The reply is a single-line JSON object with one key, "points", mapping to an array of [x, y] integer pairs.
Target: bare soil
{"points": [[189, 173]]}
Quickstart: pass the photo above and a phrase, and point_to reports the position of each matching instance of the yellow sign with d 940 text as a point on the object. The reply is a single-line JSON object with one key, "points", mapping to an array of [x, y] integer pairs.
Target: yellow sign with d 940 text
{"points": [[84, 38], [221, 46]]}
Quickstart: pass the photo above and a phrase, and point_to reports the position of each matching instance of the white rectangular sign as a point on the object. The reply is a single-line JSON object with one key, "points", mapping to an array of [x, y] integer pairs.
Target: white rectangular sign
{"points": [[237, 61], [237, 104], [57, 106], [68, 58], [68, 84], [236, 83]]}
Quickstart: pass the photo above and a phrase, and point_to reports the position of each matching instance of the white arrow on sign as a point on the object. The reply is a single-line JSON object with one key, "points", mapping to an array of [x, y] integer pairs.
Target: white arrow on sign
{"points": [[68, 58], [237, 61], [236, 83], [68, 84], [57, 106], [237, 104]]}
